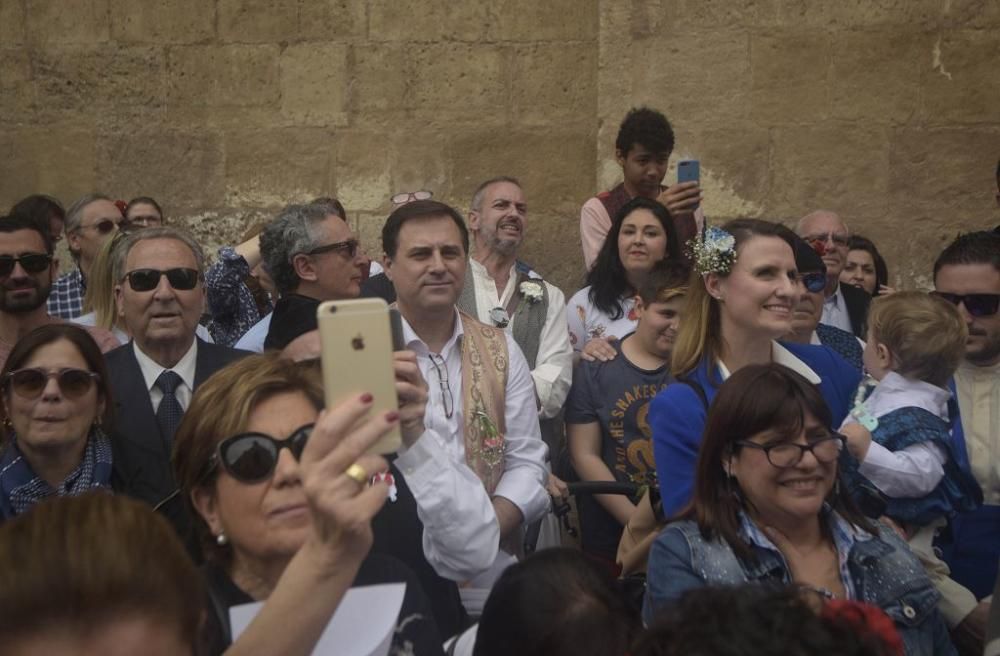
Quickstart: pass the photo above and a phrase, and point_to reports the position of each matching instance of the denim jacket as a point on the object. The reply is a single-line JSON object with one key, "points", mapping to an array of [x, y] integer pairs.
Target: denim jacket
{"points": [[883, 573]]}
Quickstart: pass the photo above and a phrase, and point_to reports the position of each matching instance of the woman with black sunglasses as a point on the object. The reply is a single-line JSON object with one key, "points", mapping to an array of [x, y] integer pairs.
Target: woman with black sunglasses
{"points": [[56, 399], [768, 507], [273, 528]]}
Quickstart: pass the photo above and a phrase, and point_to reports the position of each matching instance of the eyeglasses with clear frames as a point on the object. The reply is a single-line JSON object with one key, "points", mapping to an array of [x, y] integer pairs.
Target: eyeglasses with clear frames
{"points": [[441, 368]]}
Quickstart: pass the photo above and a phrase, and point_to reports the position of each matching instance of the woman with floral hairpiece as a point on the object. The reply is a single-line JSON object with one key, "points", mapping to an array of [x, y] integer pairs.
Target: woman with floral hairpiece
{"points": [[641, 235], [739, 304]]}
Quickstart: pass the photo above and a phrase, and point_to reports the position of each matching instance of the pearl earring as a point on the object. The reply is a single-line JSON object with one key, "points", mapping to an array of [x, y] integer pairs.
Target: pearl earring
{"points": [[221, 539]]}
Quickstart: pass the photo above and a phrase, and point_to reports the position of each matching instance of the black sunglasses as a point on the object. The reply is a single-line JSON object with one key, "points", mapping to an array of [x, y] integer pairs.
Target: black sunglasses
{"points": [[102, 227], [252, 457], [814, 282], [350, 247], [30, 262], [785, 455], [29, 383], [144, 280], [978, 305]]}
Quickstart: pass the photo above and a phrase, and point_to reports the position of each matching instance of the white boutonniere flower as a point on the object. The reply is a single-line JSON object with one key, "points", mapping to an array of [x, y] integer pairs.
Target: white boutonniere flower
{"points": [[532, 291]]}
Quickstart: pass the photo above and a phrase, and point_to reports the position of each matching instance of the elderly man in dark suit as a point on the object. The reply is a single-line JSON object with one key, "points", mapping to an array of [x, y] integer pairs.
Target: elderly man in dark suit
{"points": [[160, 297], [845, 307]]}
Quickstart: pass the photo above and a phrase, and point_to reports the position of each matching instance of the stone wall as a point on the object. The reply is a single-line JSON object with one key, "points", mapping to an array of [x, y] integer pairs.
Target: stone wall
{"points": [[886, 110]]}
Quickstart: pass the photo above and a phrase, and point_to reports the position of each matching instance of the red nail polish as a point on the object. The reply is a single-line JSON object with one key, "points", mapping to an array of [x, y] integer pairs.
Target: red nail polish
{"points": [[367, 398], [391, 416]]}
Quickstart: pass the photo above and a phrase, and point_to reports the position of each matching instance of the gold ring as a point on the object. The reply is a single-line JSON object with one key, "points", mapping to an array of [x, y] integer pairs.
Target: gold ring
{"points": [[357, 474]]}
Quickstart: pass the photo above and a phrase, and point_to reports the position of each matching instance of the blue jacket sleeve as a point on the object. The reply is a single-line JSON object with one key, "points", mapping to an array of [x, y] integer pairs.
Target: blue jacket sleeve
{"points": [[677, 418], [669, 573]]}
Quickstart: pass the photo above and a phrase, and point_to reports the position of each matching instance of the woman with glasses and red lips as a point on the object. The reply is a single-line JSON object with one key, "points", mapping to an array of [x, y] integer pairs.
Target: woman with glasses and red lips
{"points": [[768, 507], [56, 398], [282, 503]]}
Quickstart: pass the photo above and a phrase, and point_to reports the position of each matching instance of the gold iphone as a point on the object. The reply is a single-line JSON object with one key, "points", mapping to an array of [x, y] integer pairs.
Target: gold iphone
{"points": [[356, 337]]}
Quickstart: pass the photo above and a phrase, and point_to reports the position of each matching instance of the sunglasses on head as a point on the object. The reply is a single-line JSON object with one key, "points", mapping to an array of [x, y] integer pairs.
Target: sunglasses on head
{"points": [[978, 305], [350, 247], [103, 227], [29, 383], [144, 280], [814, 282], [252, 457], [407, 196], [30, 262]]}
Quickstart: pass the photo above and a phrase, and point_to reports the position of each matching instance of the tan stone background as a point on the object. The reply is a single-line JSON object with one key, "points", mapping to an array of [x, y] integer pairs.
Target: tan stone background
{"points": [[886, 110]]}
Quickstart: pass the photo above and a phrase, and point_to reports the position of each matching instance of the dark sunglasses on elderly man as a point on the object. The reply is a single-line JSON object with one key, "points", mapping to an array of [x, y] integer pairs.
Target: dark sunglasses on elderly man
{"points": [[30, 262], [144, 280], [30, 383], [252, 457], [814, 282], [978, 305]]}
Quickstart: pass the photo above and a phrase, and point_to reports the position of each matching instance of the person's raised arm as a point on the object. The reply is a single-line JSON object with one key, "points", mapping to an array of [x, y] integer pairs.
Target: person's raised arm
{"points": [[311, 587]]}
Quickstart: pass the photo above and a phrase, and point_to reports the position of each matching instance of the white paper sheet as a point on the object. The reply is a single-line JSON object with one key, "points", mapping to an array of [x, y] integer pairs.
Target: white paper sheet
{"points": [[362, 625]]}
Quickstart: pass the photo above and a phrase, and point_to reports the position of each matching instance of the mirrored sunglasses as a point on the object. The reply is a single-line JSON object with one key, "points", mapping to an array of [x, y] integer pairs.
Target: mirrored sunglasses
{"points": [[253, 457], [978, 305], [144, 280], [30, 262], [29, 383]]}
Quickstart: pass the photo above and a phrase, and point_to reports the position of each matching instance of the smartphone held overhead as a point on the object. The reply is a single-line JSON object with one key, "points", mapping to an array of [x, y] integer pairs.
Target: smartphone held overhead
{"points": [[357, 339]]}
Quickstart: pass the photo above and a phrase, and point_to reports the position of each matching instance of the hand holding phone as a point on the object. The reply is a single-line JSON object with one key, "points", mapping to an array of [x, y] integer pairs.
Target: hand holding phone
{"points": [[685, 196]]}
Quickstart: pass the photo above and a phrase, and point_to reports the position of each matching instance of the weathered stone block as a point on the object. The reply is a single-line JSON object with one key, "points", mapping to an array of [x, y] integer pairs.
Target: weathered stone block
{"points": [[429, 20], [555, 83], [220, 76], [17, 93], [859, 13], [315, 83], [379, 83], [186, 173], [790, 72], [961, 79], [552, 247], [12, 23], [556, 20], [258, 21], [735, 168], [693, 77], [368, 228], [875, 76], [96, 79], [675, 15], [275, 167], [972, 13], [59, 161], [361, 170], [451, 81], [553, 165], [844, 168], [420, 160], [946, 173], [332, 19], [58, 21], [162, 22]]}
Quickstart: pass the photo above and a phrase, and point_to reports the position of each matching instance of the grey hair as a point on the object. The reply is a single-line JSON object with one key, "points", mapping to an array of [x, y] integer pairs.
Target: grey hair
{"points": [[477, 196], [817, 213], [162, 232], [75, 212], [292, 232]]}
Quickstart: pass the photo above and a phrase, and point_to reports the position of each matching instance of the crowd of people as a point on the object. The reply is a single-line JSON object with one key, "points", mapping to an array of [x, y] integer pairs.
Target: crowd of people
{"points": [[770, 449]]}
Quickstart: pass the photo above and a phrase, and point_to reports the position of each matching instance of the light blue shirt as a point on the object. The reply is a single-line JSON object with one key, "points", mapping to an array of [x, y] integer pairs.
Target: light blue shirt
{"points": [[253, 339]]}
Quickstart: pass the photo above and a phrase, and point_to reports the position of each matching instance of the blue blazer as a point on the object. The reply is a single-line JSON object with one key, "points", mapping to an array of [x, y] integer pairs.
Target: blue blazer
{"points": [[677, 416]]}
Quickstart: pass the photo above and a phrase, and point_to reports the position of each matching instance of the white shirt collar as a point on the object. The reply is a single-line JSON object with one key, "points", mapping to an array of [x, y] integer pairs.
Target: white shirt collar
{"points": [[417, 345], [184, 368], [781, 355], [894, 392], [836, 298]]}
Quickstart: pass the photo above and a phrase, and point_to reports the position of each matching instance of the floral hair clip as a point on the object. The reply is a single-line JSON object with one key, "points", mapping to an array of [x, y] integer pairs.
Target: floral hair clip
{"points": [[713, 252]]}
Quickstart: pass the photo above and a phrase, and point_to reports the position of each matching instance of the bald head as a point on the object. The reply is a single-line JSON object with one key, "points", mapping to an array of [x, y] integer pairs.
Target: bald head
{"points": [[829, 229]]}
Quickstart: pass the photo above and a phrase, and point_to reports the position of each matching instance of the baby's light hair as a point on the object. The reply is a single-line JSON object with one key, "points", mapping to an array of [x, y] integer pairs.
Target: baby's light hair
{"points": [[925, 334]]}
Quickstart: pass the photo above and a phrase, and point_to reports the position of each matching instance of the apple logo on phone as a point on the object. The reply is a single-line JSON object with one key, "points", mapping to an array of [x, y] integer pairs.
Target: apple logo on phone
{"points": [[358, 343]]}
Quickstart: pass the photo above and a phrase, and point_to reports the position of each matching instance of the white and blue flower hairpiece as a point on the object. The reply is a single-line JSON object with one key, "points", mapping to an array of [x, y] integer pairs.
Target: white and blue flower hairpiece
{"points": [[713, 252]]}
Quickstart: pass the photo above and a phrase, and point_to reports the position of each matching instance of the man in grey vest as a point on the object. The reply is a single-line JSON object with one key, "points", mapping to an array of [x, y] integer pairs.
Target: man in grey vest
{"points": [[501, 291]]}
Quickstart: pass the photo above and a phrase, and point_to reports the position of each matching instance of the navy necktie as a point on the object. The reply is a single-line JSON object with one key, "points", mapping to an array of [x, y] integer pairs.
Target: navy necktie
{"points": [[169, 414]]}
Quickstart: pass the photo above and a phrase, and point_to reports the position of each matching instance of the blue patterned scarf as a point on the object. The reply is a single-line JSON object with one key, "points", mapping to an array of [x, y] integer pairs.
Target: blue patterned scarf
{"points": [[21, 487]]}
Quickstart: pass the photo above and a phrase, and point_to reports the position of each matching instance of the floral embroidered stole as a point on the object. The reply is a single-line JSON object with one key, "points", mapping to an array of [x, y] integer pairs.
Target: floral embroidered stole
{"points": [[484, 385]]}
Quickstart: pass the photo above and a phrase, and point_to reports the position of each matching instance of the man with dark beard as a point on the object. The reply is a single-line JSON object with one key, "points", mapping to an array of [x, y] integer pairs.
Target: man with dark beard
{"points": [[26, 272]]}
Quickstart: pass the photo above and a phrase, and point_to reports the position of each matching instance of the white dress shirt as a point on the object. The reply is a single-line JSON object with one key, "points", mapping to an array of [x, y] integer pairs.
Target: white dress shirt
{"points": [[184, 368], [835, 311], [915, 471], [461, 531], [253, 339], [553, 372]]}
